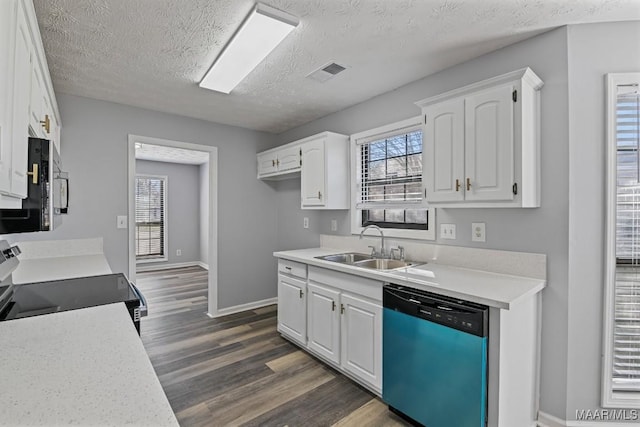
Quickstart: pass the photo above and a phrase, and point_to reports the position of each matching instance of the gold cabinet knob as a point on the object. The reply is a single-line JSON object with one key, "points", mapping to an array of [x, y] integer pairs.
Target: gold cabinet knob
{"points": [[46, 123], [34, 173]]}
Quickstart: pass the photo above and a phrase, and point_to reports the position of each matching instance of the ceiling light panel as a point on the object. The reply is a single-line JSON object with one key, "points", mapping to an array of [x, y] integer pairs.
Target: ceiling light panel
{"points": [[263, 29]]}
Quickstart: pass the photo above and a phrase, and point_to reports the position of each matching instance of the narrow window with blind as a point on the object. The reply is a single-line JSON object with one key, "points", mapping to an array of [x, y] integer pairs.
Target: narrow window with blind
{"points": [[622, 352], [150, 198], [388, 180]]}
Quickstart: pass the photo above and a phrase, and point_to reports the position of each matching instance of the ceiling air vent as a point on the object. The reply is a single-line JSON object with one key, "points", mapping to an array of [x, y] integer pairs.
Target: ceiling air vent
{"points": [[326, 72]]}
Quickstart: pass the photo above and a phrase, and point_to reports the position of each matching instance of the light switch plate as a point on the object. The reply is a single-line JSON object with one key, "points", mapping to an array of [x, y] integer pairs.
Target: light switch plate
{"points": [[305, 222], [334, 225], [478, 232], [448, 231], [122, 221]]}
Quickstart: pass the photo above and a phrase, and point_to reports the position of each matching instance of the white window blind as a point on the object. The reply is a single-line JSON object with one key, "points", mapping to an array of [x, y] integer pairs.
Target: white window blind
{"points": [[390, 170], [150, 217], [626, 345]]}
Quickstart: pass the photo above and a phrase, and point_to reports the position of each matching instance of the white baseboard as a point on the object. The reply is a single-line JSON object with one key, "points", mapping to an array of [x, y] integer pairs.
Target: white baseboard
{"points": [[243, 307], [546, 420], [170, 266], [203, 265]]}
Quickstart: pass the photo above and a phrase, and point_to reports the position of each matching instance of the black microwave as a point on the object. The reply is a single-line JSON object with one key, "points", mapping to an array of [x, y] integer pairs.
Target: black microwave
{"points": [[47, 193]]}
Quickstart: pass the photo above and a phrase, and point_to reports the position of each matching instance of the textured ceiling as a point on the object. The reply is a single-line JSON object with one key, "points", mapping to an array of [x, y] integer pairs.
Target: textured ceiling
{"points": [[161, 153], [152, 53]]}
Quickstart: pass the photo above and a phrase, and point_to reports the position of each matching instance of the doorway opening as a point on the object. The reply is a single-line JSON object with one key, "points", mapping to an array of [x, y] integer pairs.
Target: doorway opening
{"points": [[172, 210]]}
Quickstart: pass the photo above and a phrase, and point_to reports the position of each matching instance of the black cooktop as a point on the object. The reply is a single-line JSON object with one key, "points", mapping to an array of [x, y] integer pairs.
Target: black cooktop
{"points": [[70, 294]]}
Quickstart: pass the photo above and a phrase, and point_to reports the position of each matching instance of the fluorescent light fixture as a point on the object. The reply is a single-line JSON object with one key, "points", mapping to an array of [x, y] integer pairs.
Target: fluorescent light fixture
{"points": [[260, 33]]}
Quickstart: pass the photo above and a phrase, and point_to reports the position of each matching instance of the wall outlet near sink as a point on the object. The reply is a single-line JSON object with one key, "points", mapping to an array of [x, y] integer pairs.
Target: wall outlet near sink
{"points": [[178, 252], [478, 232]]}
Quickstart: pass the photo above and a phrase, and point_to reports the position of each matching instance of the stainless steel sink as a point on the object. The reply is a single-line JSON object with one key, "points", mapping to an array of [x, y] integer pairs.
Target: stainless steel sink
{"points": [[383, 264], [346, 258], [366, 261]]}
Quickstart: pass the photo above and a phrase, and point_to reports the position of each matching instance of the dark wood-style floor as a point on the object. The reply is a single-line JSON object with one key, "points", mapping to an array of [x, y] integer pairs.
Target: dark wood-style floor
{"points": [[237, 370]]}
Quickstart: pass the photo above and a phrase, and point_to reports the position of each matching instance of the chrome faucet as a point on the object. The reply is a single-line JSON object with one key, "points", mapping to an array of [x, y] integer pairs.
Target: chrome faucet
{"points": [[373, 249]]}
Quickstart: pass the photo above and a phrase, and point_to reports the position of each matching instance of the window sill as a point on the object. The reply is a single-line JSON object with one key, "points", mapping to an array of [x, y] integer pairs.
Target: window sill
{"points": [[150, 260]]}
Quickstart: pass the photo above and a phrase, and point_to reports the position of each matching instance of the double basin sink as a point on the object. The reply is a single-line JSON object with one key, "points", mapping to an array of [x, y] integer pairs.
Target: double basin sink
{"points": [[367, 261]]}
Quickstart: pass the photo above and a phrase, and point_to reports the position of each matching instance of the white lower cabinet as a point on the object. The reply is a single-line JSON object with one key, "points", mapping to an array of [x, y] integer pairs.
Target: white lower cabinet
{"points": [[323, 317], [361, 343], [292, 308], [341, 322]]}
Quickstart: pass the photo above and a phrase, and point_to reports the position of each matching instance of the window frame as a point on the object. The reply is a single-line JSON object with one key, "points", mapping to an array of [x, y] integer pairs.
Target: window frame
{"points": [[611, 398], [356, 214], [165, 248]]}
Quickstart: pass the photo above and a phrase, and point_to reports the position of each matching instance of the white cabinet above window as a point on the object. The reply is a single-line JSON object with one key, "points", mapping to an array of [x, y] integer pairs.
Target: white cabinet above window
{"points": [[481, 144]]}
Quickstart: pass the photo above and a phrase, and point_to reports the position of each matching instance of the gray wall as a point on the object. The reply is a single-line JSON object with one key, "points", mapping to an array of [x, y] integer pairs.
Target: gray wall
{"points": [[594, 50], [182, 208], [542, 230], [94, 151], [203, 177]]}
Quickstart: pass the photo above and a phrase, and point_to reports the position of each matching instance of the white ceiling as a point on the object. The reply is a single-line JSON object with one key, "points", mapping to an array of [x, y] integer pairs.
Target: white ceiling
{"points": [[161, 153], [152, 53]]}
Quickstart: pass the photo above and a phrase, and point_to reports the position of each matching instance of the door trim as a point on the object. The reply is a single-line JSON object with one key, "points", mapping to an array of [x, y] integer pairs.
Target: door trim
{"points": [[212, 297]]}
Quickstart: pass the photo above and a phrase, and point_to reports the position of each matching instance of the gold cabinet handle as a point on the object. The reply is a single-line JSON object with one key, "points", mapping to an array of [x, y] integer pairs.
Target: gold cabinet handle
{"points": [[333, 306], [341, 308], [457, 185], [319, 195], [34, 173], [301, 293], [46, 123], [273, 163], [468, 184], [277, 162]]}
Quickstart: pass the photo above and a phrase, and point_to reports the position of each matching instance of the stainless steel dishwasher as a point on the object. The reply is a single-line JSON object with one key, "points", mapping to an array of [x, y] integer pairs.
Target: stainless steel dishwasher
{"points": [[434, 358]]}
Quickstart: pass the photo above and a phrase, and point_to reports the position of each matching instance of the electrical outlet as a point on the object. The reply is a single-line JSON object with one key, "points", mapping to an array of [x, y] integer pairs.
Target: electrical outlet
{"points": [[121, 221], [448, 231], [334, 225], [305, 222], [478, 232], [178, 252]]}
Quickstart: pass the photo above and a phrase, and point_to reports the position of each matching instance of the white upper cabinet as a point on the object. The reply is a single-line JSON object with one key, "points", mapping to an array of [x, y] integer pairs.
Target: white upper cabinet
{"points": [[279, 163], [321, 161], [312, 187], [444, 140], [22, 87], [481, 144], [325, 171], [27, 102], [489, 158]]}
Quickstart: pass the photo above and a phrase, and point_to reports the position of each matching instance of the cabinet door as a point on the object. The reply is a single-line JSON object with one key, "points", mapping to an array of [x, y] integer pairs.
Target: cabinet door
{"points": [[267, 164], [21, 99], [7, 43], [323, 322], [312, 180], [443, 151], [362, 339], [292, 313], [36, 106], [489, 157], [288, 158]]}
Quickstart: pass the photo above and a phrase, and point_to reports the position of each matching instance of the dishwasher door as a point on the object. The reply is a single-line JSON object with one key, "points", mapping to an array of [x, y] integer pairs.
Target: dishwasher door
{"points": [[434, 358]]}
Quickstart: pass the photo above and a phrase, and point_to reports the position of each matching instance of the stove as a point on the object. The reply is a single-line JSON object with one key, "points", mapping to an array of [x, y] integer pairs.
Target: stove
{"points": [[34, 299]]}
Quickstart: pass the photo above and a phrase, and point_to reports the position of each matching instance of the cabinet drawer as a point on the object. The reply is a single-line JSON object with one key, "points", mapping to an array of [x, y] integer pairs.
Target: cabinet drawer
{"points": [[347, 282], [293, 268]]}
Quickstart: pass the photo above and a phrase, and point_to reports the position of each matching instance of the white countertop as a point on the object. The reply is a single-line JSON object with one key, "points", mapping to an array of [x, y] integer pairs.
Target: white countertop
{"points": [[61, 267], [83, 367], [492, 289]]}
